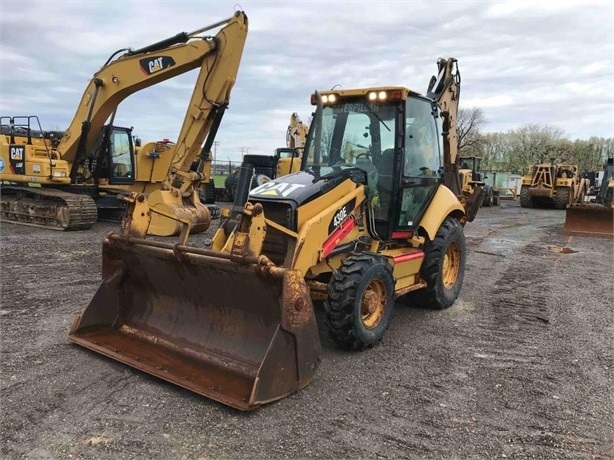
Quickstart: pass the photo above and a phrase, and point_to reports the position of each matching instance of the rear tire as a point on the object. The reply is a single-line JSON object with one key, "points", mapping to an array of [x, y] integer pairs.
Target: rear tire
{"points": [[561, 199], [443, 268], [526, 200], [360, 301], [206, 192], [263, 164], [231, 183], [489, 197]]}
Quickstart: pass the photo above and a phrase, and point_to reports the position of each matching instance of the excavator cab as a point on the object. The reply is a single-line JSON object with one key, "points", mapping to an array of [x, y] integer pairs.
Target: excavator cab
{"points": [[111, 158]]}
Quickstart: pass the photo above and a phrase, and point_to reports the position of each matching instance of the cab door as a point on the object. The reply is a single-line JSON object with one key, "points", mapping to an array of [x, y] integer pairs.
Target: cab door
{"points": [[121, 152], [421, 162]]}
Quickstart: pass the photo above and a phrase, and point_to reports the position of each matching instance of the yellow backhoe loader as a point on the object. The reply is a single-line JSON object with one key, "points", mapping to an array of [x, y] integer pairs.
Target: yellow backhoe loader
{"points": [[594, 219], [376, 213], [94, 164]]}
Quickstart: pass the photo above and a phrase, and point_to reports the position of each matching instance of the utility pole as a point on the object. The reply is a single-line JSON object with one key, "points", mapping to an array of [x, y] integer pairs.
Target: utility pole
{"points": [[215, 144], [244, 151]]}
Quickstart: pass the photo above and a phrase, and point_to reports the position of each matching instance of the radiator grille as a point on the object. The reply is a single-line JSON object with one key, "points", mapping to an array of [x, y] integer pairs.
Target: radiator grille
{"points": [[276, 242]]}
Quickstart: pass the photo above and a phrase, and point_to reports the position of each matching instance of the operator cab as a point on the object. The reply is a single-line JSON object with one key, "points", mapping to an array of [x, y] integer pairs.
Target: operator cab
{"points": [[391, 134], [112, 157]]}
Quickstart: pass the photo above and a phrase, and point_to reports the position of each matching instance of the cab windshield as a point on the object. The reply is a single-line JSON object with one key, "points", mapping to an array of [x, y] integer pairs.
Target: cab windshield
{"points": [[353, 132]]}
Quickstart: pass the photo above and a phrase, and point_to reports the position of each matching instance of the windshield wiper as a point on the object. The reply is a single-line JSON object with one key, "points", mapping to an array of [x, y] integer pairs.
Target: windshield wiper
{"points": [[377, 116]]}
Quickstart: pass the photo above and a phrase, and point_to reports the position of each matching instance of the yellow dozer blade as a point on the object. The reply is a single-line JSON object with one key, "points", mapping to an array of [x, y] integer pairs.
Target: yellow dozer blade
{"points": [[241, 333], [589, 220]]}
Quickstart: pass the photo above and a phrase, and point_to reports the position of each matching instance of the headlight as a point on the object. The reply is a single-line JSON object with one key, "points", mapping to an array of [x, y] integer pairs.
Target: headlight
{"points": [[59, 173], [378, 96]]}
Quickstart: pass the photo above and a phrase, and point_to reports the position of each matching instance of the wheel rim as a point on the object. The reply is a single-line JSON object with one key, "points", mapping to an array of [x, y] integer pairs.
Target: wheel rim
{"points": [[451, 265], [373, 304]]}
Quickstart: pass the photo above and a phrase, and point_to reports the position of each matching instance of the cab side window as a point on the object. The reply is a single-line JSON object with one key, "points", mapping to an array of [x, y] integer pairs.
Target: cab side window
{"points": [[422, 146]]}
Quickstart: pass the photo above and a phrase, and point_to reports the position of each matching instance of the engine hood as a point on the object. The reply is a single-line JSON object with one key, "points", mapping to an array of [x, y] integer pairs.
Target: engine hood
{"points": [[304, 186]]}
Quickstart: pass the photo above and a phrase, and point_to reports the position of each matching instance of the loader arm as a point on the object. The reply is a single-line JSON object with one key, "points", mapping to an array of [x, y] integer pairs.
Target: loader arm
{"points": [[217, 57]]}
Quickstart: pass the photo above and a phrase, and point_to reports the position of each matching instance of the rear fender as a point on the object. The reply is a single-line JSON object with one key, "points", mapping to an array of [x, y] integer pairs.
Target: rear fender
{"points": [[444, 204]]}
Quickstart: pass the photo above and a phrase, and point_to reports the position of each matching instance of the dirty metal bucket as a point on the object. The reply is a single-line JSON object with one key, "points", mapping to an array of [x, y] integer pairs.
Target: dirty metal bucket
{"points": [[237, 333], [589, 220]]}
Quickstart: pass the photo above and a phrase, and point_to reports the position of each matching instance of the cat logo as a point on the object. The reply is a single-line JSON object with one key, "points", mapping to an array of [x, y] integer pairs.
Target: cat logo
{"points": [[154, 64], [16, 152], [275, 189]]}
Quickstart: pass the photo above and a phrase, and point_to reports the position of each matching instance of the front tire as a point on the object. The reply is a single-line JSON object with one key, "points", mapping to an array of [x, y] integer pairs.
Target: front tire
{"points": [[360, 301], [443, 268]]}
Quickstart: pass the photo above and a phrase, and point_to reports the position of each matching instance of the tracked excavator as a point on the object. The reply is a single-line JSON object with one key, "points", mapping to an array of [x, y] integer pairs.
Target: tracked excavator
{"points": [[93, 166], [376, 213], [594, 219]]}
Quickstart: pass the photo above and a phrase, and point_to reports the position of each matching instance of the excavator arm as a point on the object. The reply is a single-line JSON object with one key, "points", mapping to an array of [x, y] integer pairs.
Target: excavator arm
{"points": [[445, 89], [218, 58]]}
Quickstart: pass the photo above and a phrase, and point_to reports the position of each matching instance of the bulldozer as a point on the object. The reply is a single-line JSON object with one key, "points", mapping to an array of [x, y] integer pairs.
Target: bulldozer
{"points": [[65, 182], [550, 184], [375, 214], [594, 219]]}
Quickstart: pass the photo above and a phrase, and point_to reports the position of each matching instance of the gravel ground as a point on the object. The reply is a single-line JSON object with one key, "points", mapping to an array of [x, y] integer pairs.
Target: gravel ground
{"points": [[520, 367]]}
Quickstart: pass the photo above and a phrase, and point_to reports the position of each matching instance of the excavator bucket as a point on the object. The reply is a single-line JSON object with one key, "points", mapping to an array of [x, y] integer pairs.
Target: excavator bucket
{"points": [[589, 220], [243, 334]]}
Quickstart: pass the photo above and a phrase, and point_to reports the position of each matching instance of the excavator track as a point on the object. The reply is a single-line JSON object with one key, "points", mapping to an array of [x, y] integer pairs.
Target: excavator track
{"points": [[47, 208]]}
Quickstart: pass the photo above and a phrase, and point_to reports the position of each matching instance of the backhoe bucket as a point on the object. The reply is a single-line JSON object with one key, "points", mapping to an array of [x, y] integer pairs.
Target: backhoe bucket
{"points": [[589, 220], [242, 334]]}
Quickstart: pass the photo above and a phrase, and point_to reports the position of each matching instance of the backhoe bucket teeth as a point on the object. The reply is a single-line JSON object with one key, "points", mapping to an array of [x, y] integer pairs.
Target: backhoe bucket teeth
{"points": [[589, 220], [241, 334]]}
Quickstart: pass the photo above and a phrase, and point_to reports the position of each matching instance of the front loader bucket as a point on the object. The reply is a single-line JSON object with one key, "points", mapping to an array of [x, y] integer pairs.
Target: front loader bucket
{"points": [[241, 334], [589, 220]]}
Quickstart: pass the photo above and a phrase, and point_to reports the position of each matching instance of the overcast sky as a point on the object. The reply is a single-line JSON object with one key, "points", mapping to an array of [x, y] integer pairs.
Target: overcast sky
{"points": [[522, 62]]}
